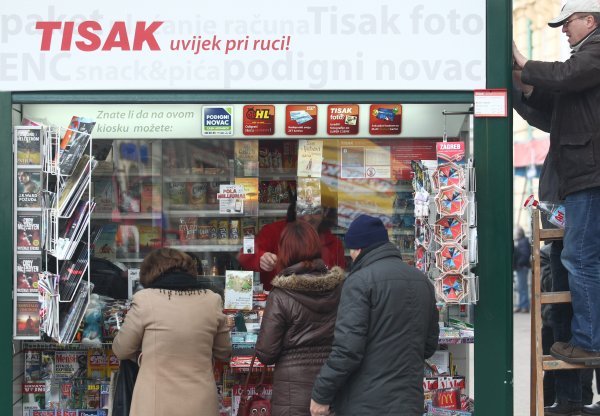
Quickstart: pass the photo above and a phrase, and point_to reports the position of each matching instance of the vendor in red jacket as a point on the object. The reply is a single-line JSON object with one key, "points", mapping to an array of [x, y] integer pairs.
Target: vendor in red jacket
{"points": [[265, 244]]}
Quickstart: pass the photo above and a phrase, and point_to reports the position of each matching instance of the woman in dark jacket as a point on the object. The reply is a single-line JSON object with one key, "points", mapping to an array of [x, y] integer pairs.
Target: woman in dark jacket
{"points": [[297, 327]]}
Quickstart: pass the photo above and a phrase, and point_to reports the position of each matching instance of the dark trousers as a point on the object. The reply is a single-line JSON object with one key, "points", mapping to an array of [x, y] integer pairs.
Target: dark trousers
{"points": [[567, 383]]}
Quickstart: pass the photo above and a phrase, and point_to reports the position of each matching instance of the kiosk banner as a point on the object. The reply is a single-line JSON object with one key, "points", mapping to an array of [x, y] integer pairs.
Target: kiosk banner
{"points": [[310, 45]]}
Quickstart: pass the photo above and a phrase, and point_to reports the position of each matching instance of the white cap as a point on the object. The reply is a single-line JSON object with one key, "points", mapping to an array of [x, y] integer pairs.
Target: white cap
{"points": [[575, 6]]}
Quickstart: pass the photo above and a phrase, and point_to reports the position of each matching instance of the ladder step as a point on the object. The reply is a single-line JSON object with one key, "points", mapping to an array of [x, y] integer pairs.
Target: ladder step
{"points": [[551, 363], [556, 297], [551, 234]]}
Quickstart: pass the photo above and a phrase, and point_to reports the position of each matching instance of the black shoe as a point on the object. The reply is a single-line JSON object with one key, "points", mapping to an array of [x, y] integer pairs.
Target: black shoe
{"points": [[563, 409], [592, 409], [574, 355]]}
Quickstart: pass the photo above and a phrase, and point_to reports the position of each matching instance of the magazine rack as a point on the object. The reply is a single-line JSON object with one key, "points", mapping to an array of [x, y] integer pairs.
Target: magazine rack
{"points": [[66, 209]]}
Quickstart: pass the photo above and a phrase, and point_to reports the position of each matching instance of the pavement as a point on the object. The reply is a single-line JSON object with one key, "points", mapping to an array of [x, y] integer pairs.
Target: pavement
{"points": [[521, 364]]}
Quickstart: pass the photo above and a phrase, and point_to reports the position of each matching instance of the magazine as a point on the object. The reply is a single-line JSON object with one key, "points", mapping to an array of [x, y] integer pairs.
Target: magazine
{"points": [[29, 145], [246, 158], [71, 314], [28, 271], [70, 364], [28, 318], [105, 195], [74, 143], [309, 196], [70, 234], [71, 273], [310, 158], [106, 243], [34, 396], [74, 187], [32, 366], [29, 186], [238, 289], [28, 232]]}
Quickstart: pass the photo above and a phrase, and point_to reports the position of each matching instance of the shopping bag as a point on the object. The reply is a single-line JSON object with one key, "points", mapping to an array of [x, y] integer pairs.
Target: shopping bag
{"points": [[126, 376]]}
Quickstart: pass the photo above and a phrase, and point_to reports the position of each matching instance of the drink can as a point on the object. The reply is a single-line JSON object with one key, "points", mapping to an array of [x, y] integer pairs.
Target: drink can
{"points": [[234, 231], [223, 232]]}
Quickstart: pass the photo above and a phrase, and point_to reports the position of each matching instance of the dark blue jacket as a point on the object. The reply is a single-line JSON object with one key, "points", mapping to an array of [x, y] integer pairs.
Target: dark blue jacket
{"points": [[387, 324]]}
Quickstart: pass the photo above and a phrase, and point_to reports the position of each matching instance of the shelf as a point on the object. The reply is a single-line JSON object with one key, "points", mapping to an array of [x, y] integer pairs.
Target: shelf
{"points": [[198, 248], [119, 216], [202, 213], [452, 341], [272, 212], [129, 175], [277, 174], [197, 177]]}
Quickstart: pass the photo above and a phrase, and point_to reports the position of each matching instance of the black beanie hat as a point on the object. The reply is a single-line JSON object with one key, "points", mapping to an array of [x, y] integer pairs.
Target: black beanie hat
{"points": [[364, 232]]}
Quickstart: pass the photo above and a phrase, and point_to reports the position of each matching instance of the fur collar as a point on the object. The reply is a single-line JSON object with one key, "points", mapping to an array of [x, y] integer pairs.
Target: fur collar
{"points": [[311, 282]]}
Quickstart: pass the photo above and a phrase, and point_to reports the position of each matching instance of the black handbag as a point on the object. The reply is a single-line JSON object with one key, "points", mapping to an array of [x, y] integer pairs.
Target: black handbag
{"points": [[126, 376]]}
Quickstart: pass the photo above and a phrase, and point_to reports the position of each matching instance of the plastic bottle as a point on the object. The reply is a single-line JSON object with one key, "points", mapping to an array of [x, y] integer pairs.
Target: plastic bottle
{"points": [[555, 212], [215, 268]]}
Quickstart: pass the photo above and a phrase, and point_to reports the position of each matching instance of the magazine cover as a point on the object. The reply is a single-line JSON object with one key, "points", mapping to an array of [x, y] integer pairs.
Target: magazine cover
{"points": [[70, 364], [238, 289], [309, 196], [176, 197], [74, 144], [28, 232], [31, 371], [96, 365], [52, 396], [150, 237], [310, 158], [105, 195], [106, 243], [28, 318], [151, 197], [72, 394], [75, 185], [246, 158], [29, 186], [47, 365], [28, 271], [29, 145], [34, 396]]}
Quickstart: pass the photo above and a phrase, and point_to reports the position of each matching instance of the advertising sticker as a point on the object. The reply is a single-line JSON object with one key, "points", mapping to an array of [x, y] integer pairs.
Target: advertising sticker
{"points": [[301, 120], [342, 119], [217, 120], [259, 120], [385, 119]]}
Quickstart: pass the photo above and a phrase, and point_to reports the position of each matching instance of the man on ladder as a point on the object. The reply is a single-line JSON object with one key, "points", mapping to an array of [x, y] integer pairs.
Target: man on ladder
{"points": [[569, 94]]}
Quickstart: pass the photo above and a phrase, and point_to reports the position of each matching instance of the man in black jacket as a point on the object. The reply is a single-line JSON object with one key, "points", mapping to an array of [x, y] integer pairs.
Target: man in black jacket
{"points": [[568, 94], [387, 324]]}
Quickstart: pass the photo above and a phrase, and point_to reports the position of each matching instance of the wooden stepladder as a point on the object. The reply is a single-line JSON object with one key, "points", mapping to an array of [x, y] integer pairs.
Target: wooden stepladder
{"points": [[540, 362]]}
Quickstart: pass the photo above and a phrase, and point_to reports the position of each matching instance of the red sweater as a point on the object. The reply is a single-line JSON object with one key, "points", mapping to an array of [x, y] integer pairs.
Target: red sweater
{"points": [[267, 241]]}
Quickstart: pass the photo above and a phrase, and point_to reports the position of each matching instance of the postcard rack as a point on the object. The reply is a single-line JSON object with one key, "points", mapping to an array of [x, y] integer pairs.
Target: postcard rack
{"points": [[446, 229]]}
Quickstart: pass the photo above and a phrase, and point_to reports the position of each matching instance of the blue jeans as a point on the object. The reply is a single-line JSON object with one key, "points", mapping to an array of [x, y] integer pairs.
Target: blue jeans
{"points": [[581, 258], [523, 287]]}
